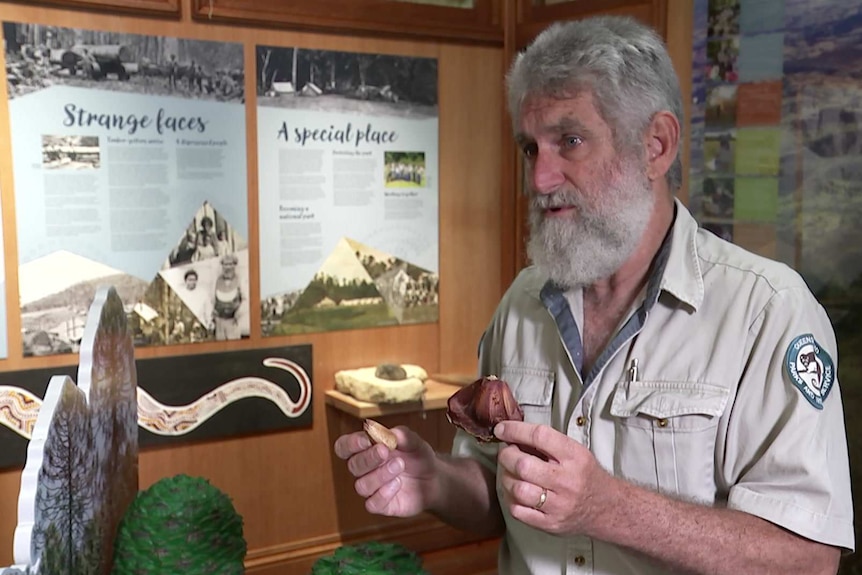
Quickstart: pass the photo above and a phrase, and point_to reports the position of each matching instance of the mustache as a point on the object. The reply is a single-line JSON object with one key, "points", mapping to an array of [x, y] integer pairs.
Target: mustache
{"points": [[560, 199]]}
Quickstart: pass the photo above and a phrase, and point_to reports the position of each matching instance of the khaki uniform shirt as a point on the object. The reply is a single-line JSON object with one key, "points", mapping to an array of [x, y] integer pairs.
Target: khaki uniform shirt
{"points": [[734, 404]]}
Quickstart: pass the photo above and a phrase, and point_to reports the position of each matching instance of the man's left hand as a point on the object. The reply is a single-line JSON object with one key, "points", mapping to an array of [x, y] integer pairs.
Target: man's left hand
{"points": [[550, 481]]}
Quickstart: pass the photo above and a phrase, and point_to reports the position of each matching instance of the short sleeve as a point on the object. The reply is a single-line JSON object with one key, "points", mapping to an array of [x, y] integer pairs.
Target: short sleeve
{"points": [[785, 457], [464, 444]]}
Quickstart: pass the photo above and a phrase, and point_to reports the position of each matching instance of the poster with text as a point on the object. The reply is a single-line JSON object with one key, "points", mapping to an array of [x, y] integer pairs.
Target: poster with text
{"points": [[348, 172], [130, 170]]}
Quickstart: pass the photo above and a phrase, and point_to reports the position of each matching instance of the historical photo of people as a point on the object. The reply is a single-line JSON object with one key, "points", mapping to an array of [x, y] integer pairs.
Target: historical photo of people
{"points": [[404, 169], [202, 291], [70, 152], [40, 56], [325, 80]]}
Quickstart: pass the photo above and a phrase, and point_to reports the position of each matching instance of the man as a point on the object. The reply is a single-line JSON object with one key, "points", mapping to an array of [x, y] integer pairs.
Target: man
{"points": [[196, 298], [667, 428], [173, 71]]}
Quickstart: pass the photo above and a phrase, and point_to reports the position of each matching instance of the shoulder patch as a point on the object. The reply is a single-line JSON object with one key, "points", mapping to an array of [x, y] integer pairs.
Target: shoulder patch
{"points": [[810, 369]]}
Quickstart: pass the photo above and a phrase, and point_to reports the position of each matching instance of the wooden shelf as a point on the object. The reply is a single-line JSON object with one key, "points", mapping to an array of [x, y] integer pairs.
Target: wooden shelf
{"points": [[436, 396], [459, 379]]}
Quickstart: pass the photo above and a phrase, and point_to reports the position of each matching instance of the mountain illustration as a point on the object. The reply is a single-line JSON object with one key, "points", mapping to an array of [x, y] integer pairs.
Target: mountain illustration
{"points": [[356, 286], [55, 293], [56, 272]]}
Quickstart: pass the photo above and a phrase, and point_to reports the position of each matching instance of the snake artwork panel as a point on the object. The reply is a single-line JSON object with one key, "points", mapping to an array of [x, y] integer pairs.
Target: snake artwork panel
{"points": [[182, 399]]}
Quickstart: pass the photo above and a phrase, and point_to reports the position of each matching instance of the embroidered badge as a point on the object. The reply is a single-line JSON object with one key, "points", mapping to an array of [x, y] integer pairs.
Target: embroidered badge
{"points": [[810, 369]]}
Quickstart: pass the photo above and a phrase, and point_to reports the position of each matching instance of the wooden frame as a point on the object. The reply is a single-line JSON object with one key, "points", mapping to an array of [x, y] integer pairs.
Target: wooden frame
{"points": [[533, 19], [481, 24], [149, 7]]}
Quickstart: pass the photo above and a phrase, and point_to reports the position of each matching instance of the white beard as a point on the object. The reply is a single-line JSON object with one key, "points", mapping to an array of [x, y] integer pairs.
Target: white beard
{"points": [[595, 242]]}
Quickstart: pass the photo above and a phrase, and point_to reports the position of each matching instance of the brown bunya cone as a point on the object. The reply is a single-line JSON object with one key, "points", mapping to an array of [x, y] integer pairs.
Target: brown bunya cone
{"points": [[478, 407]]}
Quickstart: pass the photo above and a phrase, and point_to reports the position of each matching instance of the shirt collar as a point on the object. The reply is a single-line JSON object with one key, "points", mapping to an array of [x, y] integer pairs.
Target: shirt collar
{"points": [[683, 277], [676, 267]]}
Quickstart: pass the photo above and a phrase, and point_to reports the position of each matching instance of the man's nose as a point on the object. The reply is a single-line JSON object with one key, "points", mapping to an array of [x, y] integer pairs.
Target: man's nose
{"points": [[546, 173]]}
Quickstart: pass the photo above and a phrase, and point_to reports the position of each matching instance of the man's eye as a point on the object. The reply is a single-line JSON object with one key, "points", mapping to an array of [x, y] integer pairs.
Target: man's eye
{"points": [[530, 150], [572, 141]]}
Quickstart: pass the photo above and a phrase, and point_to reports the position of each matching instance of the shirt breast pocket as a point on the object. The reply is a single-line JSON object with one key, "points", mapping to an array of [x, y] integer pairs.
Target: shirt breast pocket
{"points": [[533, 389], [666, 433]]}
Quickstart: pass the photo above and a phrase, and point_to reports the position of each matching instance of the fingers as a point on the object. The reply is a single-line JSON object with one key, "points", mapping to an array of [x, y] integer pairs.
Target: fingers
{"points": [[381, 502], [408, 440], [532, 437], [523, 475], [376, 468], [524, 494], [368, 483], [348, 445], [520, 464]]}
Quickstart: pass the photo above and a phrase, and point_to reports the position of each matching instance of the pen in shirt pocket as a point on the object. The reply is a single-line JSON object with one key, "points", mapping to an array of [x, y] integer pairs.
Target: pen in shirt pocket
{"points": [[633, 370]]}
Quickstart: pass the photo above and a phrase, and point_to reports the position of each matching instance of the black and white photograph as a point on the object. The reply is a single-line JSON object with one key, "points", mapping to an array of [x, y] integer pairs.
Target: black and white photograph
{"points": [[324, 80], [201, 293], [55, 293], [208, 235], [70, 152], [40, 56]]}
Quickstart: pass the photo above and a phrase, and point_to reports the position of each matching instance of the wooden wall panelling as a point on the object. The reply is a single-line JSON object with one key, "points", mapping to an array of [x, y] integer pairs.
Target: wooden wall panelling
{"points": [[470, 212], [151, 7], [10, 484], [513, 227], [401, 19], [294, 496], [680, 23]]}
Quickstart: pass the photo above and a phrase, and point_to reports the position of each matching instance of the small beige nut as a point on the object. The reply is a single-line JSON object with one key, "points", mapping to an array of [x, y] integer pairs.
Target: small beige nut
{"points": [[380, 434]]}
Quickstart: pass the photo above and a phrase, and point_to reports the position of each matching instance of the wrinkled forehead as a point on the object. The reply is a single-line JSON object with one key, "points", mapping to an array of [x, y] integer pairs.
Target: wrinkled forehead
{"points": [[560, 114]]}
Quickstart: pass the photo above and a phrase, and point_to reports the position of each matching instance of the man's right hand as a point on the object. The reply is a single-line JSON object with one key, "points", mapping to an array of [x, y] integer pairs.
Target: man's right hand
{"points": [[399, 483]]}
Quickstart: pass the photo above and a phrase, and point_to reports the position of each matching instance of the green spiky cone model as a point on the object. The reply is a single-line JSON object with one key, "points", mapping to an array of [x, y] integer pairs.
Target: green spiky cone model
{"points": [[180, 525], [370, 559]]}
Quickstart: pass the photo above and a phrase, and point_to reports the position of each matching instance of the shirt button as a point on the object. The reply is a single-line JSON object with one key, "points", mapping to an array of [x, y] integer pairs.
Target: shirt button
{"points": [[580, 560], [661, 422], [581, 420]]}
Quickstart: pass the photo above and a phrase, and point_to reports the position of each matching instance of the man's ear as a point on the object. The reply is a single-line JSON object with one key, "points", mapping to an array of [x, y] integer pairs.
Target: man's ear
{"points": [[662, 144]]}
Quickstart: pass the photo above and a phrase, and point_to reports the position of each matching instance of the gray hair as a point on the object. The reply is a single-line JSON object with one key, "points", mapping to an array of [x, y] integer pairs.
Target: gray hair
{"points": [[624, 63]]}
